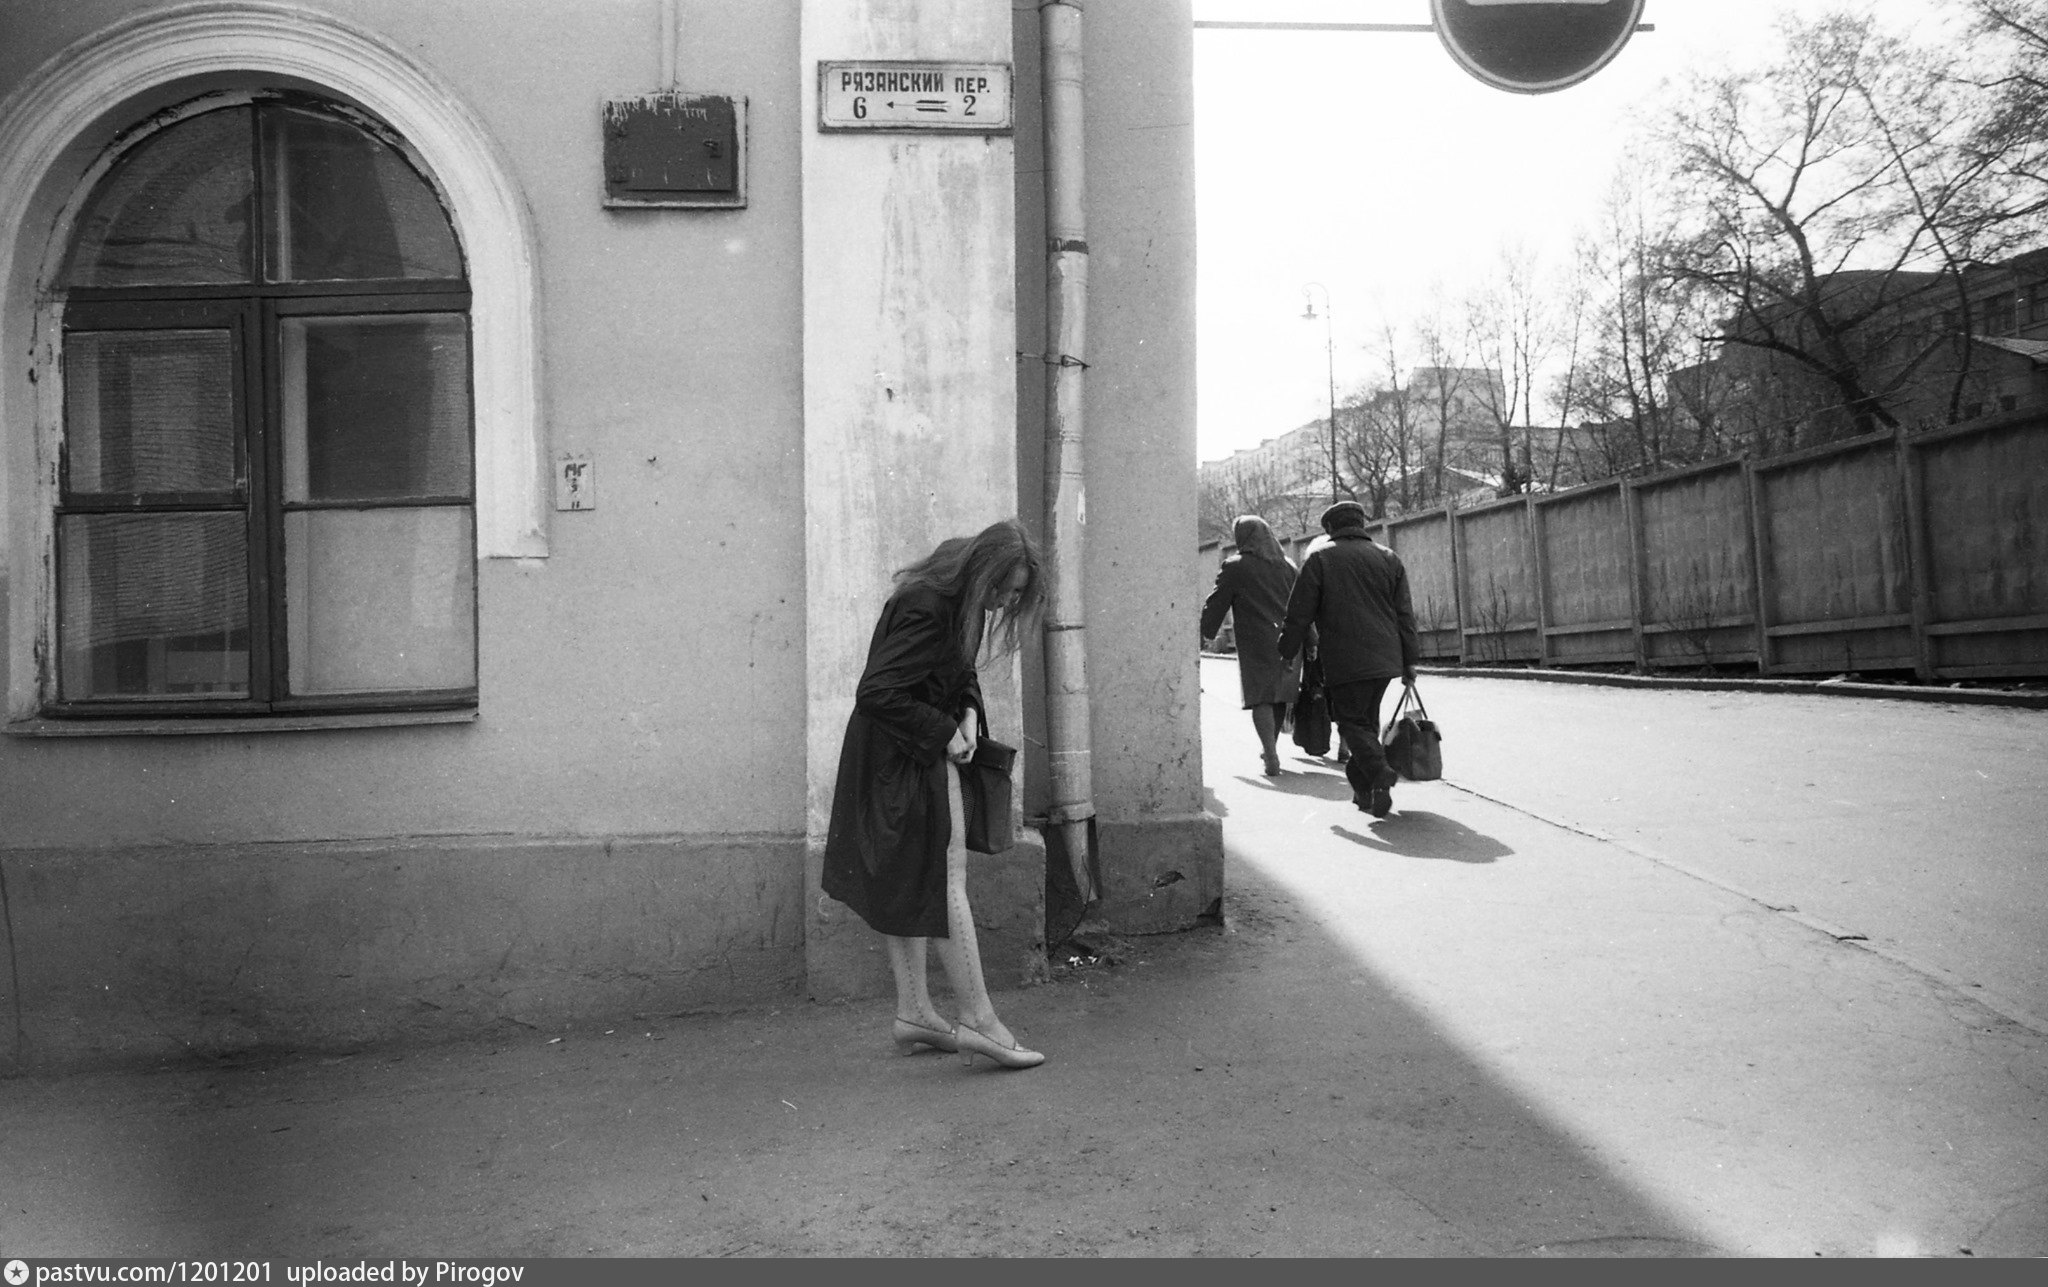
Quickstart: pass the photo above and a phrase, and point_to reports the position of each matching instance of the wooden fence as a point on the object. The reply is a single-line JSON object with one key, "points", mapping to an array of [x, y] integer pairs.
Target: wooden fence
{"points": [[1923, 552]]}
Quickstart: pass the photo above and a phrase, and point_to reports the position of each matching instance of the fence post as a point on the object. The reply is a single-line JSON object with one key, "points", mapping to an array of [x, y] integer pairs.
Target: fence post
{"points": [[1456, 532], [1632, 519], [1760, 551], [1542, 569], [1918, 556]]}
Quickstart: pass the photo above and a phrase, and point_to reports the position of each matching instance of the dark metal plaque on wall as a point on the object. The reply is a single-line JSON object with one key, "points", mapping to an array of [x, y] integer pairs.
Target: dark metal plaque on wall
{"points": [[675, 149]]}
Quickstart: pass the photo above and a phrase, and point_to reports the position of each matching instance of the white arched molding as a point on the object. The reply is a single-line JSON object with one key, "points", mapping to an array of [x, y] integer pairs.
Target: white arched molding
{"points": [[72, 92]]}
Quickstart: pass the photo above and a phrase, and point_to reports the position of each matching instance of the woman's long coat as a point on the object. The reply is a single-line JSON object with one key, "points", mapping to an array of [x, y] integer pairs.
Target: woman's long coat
{"points": [[1254, 593], [885, 849]]}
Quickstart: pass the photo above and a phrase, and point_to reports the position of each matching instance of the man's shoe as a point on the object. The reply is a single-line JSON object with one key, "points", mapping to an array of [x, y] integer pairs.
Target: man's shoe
{"points": [[1382, 800]]}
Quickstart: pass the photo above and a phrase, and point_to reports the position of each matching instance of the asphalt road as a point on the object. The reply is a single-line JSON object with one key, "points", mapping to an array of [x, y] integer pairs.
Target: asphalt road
{"points": [[1571, 909], [1921, 827]]}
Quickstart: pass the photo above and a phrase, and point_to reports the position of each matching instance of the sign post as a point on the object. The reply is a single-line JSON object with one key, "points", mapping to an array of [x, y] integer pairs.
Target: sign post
{"points": [[1534, 46]]}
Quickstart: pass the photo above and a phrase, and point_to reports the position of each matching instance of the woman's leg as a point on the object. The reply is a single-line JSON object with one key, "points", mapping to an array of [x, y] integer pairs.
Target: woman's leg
{"points": [[913, 1000], [1265, 718], [959, 951]]}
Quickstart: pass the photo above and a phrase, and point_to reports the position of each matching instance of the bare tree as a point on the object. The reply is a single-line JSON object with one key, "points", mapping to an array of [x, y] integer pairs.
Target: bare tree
{"points": [[1440, 394], [1507, 327], [1822, 200], [2010, 135], [1637, 334], [1567, 384], [1387, 429]]}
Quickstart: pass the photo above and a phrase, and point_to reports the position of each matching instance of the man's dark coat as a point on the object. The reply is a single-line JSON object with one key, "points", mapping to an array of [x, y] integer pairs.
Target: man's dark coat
{"points": [[1355, 594]]}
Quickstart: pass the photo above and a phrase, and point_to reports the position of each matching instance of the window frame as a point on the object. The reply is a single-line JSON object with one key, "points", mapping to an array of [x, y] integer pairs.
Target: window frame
{"points": [[253, 310]]}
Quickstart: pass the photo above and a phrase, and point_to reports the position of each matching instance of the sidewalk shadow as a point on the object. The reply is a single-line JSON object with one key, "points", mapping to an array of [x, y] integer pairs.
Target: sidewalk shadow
{"points": [[1213, 802], [1421, 834], [1320, 786]]}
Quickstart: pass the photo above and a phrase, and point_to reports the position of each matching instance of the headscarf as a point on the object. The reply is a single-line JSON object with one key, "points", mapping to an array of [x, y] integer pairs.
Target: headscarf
{"points": [[1255, 540]]}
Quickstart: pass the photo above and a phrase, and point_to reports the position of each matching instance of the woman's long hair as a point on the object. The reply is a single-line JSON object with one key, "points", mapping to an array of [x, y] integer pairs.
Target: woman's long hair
{"points": [[976, 571], [1255, 540]]}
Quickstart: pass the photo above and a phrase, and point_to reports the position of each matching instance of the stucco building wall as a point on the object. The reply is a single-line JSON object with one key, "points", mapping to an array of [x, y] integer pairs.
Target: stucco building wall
{"points": [[625, 824]]}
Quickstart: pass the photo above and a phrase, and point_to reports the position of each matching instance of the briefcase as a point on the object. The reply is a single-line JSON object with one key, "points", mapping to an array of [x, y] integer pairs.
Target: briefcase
{"points": [[1413, 744]]}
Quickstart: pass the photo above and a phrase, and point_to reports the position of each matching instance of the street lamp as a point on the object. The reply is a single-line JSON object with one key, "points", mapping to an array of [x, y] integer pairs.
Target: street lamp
{"points": [[1308, 314]]}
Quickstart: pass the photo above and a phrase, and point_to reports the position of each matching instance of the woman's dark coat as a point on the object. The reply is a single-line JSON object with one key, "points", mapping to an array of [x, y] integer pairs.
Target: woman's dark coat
{"points": [[885, 849], [1254, 593]]}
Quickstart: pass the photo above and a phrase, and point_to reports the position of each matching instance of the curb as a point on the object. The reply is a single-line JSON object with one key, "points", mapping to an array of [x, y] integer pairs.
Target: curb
{"points": [[1819, 687]]}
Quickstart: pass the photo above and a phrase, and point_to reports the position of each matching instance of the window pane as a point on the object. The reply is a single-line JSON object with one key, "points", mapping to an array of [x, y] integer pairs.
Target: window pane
{"points": [[346, 206], [380, 600], [149, 412], [175, 211], [153, 605], [375, 408]]}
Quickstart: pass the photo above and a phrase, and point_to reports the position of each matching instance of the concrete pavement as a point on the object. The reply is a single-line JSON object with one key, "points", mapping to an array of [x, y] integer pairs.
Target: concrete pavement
{"points": [[1462, 1030]]}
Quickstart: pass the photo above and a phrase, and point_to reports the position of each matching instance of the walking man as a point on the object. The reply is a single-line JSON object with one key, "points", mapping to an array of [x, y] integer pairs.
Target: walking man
{"points": [[1354, 594]]}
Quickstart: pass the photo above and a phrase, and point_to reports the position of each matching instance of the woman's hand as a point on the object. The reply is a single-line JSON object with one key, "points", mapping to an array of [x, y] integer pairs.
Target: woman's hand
{"points": [[961, 748]]}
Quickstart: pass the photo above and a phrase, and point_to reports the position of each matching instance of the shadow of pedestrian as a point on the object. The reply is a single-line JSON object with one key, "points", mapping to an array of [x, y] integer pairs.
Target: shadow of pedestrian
{"points": [[1321, 786], [1421, 834], [1213, 803]]}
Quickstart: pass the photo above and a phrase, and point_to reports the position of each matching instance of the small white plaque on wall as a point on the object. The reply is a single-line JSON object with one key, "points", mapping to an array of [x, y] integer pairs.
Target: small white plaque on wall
{"points": [[575, 481], [965, 98]]}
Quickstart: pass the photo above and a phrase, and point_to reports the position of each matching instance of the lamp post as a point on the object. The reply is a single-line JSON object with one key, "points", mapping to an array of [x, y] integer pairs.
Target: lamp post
{"points": [[1308, 314]]}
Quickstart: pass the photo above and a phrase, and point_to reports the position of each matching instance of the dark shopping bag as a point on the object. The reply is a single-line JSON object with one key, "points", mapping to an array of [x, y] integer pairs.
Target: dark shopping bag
{"points": [[985, 792], [1413, 744], [1312, 713]]}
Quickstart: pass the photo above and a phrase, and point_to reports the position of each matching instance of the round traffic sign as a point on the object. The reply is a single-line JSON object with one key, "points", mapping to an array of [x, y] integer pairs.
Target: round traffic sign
{"points": [[1534, 46]]}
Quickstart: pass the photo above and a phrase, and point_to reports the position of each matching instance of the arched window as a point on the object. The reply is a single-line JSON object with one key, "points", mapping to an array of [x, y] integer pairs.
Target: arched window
{"points": [[265, 501]]}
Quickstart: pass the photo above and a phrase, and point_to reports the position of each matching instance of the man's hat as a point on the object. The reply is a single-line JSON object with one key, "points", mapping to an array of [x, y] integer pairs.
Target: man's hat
{"points": [[1342, 515]]}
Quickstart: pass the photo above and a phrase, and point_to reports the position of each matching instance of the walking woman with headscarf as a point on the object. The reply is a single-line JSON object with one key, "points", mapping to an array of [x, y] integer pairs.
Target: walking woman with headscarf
{"points": [[1252, 586], [895, 851]]}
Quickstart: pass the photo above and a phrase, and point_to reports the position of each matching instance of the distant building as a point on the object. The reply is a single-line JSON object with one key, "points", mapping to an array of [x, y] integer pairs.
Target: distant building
{"points": [[1453, 446], [1931, 350]]}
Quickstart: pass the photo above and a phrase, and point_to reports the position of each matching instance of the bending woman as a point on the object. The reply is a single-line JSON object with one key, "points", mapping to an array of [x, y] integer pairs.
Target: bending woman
{"points": [[1252, 586], [895, 850]]}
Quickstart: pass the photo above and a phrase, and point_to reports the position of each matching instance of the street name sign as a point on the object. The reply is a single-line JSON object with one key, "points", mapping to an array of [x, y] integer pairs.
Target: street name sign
{"points": [[964, 98], [1534, 46]]}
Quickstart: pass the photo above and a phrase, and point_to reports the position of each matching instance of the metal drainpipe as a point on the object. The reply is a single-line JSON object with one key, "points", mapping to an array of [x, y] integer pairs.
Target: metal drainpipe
{"points": [[1066, 512]]}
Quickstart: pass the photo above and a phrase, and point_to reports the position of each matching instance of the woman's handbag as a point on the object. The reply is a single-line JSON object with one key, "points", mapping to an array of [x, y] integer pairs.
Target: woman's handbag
{"points": [[985, 790], [1413, 744]]}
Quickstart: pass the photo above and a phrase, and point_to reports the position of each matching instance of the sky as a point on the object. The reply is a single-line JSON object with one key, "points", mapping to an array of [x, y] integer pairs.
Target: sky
{"points": [[1370, 164]]}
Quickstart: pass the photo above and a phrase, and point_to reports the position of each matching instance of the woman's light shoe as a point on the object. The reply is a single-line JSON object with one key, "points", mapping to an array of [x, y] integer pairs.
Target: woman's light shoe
{"points": [[973, 1041], [909, 1036]]}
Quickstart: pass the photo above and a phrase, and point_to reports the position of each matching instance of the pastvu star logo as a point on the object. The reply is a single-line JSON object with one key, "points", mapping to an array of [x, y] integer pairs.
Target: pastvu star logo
{"points": [[17, 1273]]}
